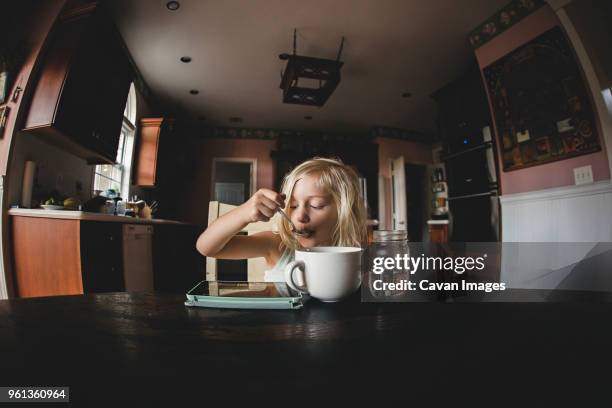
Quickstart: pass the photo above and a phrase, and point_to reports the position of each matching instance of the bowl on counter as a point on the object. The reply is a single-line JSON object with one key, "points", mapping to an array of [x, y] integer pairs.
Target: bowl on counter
{"points": [[53, 207]]}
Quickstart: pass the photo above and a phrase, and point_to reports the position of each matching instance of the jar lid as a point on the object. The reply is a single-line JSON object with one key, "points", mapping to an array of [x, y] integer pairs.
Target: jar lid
{"points": [[390, 235]]}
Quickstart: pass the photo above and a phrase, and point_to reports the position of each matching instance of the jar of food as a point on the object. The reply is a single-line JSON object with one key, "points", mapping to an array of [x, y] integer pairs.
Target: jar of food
{"points": [[109, 207], [385, 263]]}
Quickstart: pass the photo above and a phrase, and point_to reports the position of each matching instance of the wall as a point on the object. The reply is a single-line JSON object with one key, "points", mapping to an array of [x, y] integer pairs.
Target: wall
{"points": [[194, 203], [389, 149], [556, 174], [55, 169]]}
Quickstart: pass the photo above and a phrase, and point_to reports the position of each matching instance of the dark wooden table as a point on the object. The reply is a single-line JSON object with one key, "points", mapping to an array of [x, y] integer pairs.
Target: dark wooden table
{"points": [[120, 349]]}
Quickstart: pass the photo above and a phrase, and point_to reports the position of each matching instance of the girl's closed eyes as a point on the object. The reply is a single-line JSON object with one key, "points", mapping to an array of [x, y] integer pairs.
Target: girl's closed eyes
{"points": [[316, 206]]}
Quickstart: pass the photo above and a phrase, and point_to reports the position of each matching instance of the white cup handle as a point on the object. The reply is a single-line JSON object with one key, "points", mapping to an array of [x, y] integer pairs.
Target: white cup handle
{"points": [[289, 275]]}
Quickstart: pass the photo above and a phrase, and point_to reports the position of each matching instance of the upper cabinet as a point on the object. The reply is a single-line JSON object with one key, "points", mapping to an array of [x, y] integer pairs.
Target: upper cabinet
{"points": [[82, 89], [157, 153], [146, 153]]}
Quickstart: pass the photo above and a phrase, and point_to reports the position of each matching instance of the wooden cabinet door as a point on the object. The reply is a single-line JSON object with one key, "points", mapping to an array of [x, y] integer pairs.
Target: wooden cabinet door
{"points": [[46, 256], [83, 86], [147, 153], [112, 88], [102, 256]]}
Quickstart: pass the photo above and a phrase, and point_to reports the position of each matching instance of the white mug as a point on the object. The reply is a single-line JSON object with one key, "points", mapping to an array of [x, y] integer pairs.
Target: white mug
{"points": [[327, 273]]}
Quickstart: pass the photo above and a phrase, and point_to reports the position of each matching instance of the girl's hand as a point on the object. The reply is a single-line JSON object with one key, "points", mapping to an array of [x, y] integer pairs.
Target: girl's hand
{"points": [[262, 205]]}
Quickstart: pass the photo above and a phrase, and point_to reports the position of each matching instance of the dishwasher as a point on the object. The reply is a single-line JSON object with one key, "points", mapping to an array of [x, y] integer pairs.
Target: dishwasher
{"points": [[138, 257]]}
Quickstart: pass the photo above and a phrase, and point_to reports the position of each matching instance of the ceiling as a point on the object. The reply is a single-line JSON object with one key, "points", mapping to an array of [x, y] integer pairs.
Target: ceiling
{"points": [[391, 47]]}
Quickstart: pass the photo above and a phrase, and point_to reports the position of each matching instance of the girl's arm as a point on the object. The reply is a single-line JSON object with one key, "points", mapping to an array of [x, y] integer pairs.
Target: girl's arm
{"points": [[219, 240]]}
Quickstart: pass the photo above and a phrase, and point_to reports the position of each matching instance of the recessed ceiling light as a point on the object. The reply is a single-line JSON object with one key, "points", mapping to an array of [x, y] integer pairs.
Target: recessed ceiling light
{"points": [[173, 5], [194, 92], [235, 119], [406, 95], [308, 117], [186, 59]]}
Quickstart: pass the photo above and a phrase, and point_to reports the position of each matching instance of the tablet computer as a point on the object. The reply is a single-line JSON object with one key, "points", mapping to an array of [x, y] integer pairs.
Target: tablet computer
{"points": [[244, 295]]}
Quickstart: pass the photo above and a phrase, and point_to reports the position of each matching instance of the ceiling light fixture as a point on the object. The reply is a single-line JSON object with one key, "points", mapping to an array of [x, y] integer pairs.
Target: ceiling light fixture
{"points": [[406, 95], [185, 59], [194, 92], [173, 5], [325, 71]]}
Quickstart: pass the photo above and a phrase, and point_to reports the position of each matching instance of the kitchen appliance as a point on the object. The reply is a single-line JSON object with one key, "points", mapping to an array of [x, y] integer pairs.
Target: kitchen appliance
{"points": [[138, 257], [472, 191]]}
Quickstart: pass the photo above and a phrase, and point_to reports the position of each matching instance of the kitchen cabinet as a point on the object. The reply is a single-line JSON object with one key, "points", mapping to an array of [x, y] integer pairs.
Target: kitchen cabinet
{"points": [[69, 256], [101, 256], [164, 162], [66, 257], [151, 132], [82, 88], [162, 155]]}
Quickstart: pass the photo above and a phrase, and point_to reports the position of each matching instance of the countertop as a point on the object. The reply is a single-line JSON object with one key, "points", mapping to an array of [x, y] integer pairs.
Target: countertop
{"points": [[148, 349], [87, 216], [437, 222]]}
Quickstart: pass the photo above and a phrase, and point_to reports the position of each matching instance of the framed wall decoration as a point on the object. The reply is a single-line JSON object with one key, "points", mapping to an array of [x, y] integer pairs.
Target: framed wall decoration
{"points": [[541, 106]]}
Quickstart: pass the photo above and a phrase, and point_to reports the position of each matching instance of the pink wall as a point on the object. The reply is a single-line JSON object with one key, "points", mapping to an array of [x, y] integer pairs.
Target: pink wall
{"points": [[556, 174], [393, 148], [195, 203]]}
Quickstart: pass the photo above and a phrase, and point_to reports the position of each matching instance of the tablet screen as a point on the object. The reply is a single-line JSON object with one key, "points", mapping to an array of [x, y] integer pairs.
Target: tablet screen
{"points": [[243, 289]]}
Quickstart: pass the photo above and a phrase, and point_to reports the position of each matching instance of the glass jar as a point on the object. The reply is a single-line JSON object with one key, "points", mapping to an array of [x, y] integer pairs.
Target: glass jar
{"points": [[120, 207], [387, 244], [109, 207]]}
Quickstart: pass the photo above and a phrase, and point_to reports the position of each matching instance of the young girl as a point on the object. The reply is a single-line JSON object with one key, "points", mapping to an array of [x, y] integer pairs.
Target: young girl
{"points": [[320, 196]]}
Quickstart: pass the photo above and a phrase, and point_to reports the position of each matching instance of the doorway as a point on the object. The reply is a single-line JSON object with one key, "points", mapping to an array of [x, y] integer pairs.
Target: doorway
{"points": [[415, 200], [233, 180], [408, 197]]}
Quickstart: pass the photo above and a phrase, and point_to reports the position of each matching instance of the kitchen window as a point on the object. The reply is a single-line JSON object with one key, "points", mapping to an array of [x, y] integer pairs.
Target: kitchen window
{"points": [[117, 176]]}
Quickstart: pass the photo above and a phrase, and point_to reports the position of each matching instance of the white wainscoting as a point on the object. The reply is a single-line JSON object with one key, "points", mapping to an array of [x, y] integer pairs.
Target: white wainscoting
{"points": [[566, 214], [566, 224]]}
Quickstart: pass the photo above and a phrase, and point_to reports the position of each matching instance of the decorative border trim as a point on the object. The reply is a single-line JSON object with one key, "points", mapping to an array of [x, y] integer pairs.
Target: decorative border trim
{"points": [[246, 133], [276, 134], [505, 18], [600, 187], [402, 134]]}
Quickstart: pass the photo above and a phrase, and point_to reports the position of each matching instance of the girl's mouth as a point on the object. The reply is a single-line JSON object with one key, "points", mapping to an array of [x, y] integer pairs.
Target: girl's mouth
{"points": [[305, 233]]}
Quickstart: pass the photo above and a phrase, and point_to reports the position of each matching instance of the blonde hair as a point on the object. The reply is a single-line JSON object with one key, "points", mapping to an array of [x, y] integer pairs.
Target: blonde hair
{"points": [[342, 183]]}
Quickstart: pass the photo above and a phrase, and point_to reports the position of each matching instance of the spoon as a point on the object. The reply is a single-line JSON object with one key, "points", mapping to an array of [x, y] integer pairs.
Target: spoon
{"points": [[294, 230]]}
